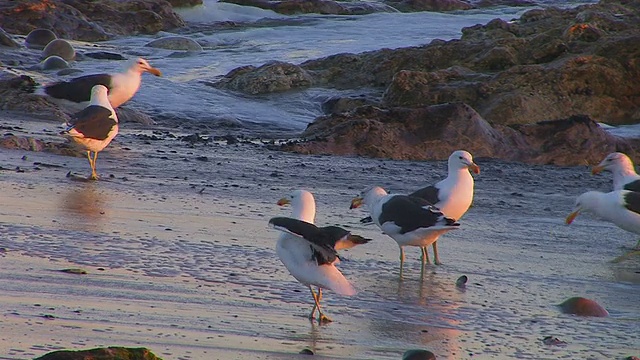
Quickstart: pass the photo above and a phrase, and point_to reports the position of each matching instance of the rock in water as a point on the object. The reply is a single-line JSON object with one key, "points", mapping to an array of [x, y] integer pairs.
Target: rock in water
{"points": [[110, 353], [39, 38], [54, 62], [175, 43], [583, 307], [418, 354], [60, 48], [6, 40]]}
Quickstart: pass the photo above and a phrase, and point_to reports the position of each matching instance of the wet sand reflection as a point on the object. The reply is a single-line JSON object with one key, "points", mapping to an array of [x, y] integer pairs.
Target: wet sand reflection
{"points": [[83, 207]]}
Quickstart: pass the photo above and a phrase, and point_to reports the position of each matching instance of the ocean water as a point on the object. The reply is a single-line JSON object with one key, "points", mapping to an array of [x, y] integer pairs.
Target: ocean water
{"points": [[261, 36]]}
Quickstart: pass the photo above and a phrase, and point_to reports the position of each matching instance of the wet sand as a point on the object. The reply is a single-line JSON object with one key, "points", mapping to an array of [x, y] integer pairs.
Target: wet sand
{"points": [[180, 259]]}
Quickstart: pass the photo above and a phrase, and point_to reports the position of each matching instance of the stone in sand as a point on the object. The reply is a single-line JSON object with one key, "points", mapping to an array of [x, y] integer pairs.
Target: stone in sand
{"points": [[418, 354], [60, 48], [6, 40], [583, 307], [175, 43], [54, 62], [110, 353], [39, 38]]}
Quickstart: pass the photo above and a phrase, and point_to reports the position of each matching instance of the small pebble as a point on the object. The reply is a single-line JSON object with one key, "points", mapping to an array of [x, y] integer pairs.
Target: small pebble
{"points": [[462, 281], [306, 352], [550, 340], [418, 354], [583, 307]]}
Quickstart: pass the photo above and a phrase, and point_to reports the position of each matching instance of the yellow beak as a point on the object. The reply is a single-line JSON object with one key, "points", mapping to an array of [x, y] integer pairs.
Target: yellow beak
{"points": [[597, 170], [572, 217], [356, 203], [475, 168], [284, 201], [154, 71]]}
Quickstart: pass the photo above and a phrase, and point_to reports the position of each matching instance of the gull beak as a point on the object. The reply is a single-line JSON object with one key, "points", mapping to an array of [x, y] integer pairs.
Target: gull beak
{"points": [[283, 202], [154, 71], [474, 168], [356, 203], [572, 217], [597, 169]]}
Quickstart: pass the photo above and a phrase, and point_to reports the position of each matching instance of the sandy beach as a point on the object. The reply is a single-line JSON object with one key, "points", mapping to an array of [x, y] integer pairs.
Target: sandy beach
{"points": [[180, 260]]}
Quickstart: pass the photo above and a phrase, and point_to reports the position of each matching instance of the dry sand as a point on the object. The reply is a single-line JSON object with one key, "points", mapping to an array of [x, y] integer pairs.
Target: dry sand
{"points": [[180, 259]]}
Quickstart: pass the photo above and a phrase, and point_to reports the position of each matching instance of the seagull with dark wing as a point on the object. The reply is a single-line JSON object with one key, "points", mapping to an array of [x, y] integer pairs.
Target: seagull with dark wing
{"points": [[94, 127], [408, 220], [76, 93], [624, 173], [310, 252], [452, 195]]}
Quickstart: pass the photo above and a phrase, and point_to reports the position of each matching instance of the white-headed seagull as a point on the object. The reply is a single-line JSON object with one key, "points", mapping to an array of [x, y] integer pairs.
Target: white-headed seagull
{"points": [[452, 195], [94, 127], [409, 220], [621, 207], [624, 173], [310, 252], [76, 93]]}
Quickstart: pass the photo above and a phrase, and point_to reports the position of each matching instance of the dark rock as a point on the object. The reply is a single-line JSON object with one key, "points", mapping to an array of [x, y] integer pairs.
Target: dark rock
{"points": [[184, 3], [65, 72], [429, 5], [90, 20], [462, 281], [332, 7], [583, 307], [552, 340], [16, 94], [418, 354], [39, 38], [272, 77], [337, 105], [104, 55], [110, 353], [175, 43], [61, 48], [27, 143], [126, 115], [7, 40], [433, 132], [306, 352]]}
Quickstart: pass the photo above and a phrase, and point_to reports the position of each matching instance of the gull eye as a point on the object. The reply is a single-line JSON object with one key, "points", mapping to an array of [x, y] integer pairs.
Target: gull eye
{"points": [[460, 157]]}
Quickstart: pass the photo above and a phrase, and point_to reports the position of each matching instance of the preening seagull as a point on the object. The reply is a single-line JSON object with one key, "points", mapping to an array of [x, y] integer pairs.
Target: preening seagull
{"points": [[94, 127], [409, 220], [75, 93], [624, 173], [452, 195], [310, 252]]}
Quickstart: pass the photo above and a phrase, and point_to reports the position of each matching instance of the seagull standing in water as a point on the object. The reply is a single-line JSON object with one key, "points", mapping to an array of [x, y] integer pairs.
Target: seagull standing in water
{"points": [[409, 220], [76, 93], [621, 207], [452, 195], [310, 252], [94, 127]]}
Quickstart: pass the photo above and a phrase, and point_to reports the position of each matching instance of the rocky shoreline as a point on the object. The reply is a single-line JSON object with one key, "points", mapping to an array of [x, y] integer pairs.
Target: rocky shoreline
{"points": [[529, 90]]}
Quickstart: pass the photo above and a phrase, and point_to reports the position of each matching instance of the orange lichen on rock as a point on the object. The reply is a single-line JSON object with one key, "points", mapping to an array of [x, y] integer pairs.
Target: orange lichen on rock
{"points": [[44, 5]]}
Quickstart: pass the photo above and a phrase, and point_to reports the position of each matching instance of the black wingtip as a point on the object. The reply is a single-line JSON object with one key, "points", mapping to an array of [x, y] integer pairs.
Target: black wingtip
{"points": [[366, 220], [358, 240]]}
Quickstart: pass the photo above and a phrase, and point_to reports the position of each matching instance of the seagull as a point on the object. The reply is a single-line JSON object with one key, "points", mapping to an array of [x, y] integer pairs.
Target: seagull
{"points": [[310, 252], [452, 195], [624, 173], [94, 127], [409, 220], [621, 207], [76, 92]]}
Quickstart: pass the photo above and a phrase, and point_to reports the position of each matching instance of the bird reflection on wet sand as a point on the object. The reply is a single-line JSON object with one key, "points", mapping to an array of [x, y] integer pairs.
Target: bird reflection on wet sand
{"points": [[83, 207]]}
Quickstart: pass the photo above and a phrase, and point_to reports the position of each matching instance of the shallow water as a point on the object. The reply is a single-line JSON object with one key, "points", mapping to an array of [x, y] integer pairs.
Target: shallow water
{"points": [[180, 260]]}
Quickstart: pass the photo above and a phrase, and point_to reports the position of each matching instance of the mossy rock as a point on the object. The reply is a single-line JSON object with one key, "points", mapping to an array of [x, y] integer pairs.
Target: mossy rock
{"points": [[110, 353]]}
